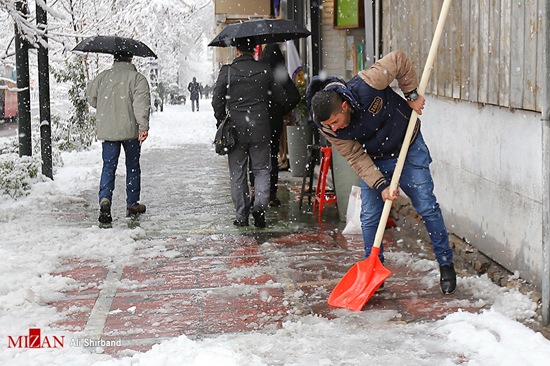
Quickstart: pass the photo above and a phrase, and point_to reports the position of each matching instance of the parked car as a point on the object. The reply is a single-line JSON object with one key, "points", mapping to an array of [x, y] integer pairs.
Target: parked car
{"points": [[178, 99]]}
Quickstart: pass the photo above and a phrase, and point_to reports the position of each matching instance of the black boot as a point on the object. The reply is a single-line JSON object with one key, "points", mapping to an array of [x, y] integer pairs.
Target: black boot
{"points": [[447, 281], [134, 211], [274, 202], [105, 211], [259, 218], [240, 222]]}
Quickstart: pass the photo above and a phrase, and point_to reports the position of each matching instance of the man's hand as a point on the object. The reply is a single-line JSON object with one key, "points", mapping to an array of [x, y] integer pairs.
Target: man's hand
{"points": [[142, 136], [387, 196], [417, 105]]}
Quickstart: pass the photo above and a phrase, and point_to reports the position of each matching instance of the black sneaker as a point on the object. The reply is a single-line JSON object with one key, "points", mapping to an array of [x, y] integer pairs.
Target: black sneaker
{"points": [[259, 218], [447, 281], [240, 222], [380, 288], [132, 211], [105, 211], [274, 202]]}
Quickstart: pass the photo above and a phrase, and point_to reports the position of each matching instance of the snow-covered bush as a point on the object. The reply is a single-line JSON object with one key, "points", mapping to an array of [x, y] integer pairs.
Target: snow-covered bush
{"points": [[78, 131], [68, 136], [18, 174]]}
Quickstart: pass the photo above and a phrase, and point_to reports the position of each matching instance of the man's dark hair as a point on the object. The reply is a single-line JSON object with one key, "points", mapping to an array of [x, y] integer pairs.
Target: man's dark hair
{"points": [[325, 103], [246, 45], [123, 56]]}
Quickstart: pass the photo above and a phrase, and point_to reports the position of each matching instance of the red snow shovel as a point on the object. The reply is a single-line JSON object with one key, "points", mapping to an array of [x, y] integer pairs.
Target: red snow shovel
{"points": [[361, 281]]}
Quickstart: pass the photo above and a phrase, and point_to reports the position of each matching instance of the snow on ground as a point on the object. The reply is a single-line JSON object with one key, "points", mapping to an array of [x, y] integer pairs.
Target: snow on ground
{"points": [[177, 126], [33, 244]]}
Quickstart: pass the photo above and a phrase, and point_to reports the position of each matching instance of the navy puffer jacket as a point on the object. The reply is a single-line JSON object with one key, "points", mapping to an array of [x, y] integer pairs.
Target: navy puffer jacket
{"points": [[379, 119]]}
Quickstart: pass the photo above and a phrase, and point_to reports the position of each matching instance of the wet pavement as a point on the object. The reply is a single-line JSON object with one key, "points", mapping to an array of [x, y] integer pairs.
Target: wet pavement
{"points": [[195, 274]]}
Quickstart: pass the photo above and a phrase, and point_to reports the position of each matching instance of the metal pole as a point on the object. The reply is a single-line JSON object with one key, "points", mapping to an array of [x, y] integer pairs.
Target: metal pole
{"points": [[376, 30], [545, 164], [316, 36], [369, 34], [23, 96], [44, 96]]}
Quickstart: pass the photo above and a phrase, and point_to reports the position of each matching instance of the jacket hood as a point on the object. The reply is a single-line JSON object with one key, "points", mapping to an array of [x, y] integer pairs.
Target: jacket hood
{"points": [[329, 83]]}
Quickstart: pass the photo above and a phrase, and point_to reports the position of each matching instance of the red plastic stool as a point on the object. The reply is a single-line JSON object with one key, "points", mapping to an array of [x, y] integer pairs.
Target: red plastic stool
{"points": [[321, 196]]}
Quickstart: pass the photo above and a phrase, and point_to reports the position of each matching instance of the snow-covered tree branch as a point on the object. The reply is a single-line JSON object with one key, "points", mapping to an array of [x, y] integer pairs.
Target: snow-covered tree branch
{"points": [[172, 28]]}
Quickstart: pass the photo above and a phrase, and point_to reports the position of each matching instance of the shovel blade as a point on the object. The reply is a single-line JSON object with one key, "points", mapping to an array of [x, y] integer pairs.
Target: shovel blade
{"points": [[359, 283]]}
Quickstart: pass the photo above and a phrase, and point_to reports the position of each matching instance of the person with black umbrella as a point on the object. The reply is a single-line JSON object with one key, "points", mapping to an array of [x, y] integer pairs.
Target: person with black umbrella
{"points": [[273, 56], [122, 98], [246, 86]]}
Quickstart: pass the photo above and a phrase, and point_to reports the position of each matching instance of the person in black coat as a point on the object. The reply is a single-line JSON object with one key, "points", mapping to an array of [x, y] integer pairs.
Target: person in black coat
{"points": [[194, 91], [248, 94], [273, 56]]}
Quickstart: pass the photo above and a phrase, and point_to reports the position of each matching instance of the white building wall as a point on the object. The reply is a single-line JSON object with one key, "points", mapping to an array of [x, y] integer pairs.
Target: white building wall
{"points": [[487, 171]]}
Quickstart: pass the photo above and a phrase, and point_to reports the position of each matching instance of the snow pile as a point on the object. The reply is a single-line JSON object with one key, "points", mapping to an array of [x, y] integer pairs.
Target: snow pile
{"points": [[17, 175]]}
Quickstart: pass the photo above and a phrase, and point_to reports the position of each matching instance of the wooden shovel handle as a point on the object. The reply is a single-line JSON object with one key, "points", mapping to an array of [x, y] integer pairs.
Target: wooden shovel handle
{"points": [[412, 122]]}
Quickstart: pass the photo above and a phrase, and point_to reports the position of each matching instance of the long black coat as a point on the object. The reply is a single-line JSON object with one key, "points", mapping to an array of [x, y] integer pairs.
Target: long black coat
{"points": [[273, 56], [251, 85], [194, 90]]}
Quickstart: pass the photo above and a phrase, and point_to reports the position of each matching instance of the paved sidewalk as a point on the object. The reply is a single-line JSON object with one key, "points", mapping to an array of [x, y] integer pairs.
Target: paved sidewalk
{"points": [[217, 278], [245, 282]]}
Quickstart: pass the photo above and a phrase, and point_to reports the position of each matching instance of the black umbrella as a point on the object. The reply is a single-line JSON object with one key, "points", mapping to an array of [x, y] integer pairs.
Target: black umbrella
{"points": [[115, 44], [260, 31]]}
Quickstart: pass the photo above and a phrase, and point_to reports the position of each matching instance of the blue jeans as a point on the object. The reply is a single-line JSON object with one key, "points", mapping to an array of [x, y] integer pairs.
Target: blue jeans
{"points": [[416, 181], [111, 152]]}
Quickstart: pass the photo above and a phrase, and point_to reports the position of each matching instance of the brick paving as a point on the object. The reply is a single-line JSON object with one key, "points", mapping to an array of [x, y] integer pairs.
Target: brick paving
{"points": [[220, 279], [249, 281]]}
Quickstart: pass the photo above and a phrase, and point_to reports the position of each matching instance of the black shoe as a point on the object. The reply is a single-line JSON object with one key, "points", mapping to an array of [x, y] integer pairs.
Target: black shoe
{"points": [[240, 222], [380, 288], [105, 211], [259, 218], [132, 211], [448, 279], [274, 202]]}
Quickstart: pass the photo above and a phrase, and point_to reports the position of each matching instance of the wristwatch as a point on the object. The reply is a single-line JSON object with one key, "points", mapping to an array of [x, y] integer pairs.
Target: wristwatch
{"points": [[412, 96]]}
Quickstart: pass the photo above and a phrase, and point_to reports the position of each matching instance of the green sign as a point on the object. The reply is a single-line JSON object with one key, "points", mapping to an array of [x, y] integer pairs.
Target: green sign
{"points": [[346, 13]]}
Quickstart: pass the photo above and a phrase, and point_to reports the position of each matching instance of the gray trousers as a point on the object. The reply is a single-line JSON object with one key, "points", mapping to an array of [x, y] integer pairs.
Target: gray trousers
{"points": [[260, 164]]}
